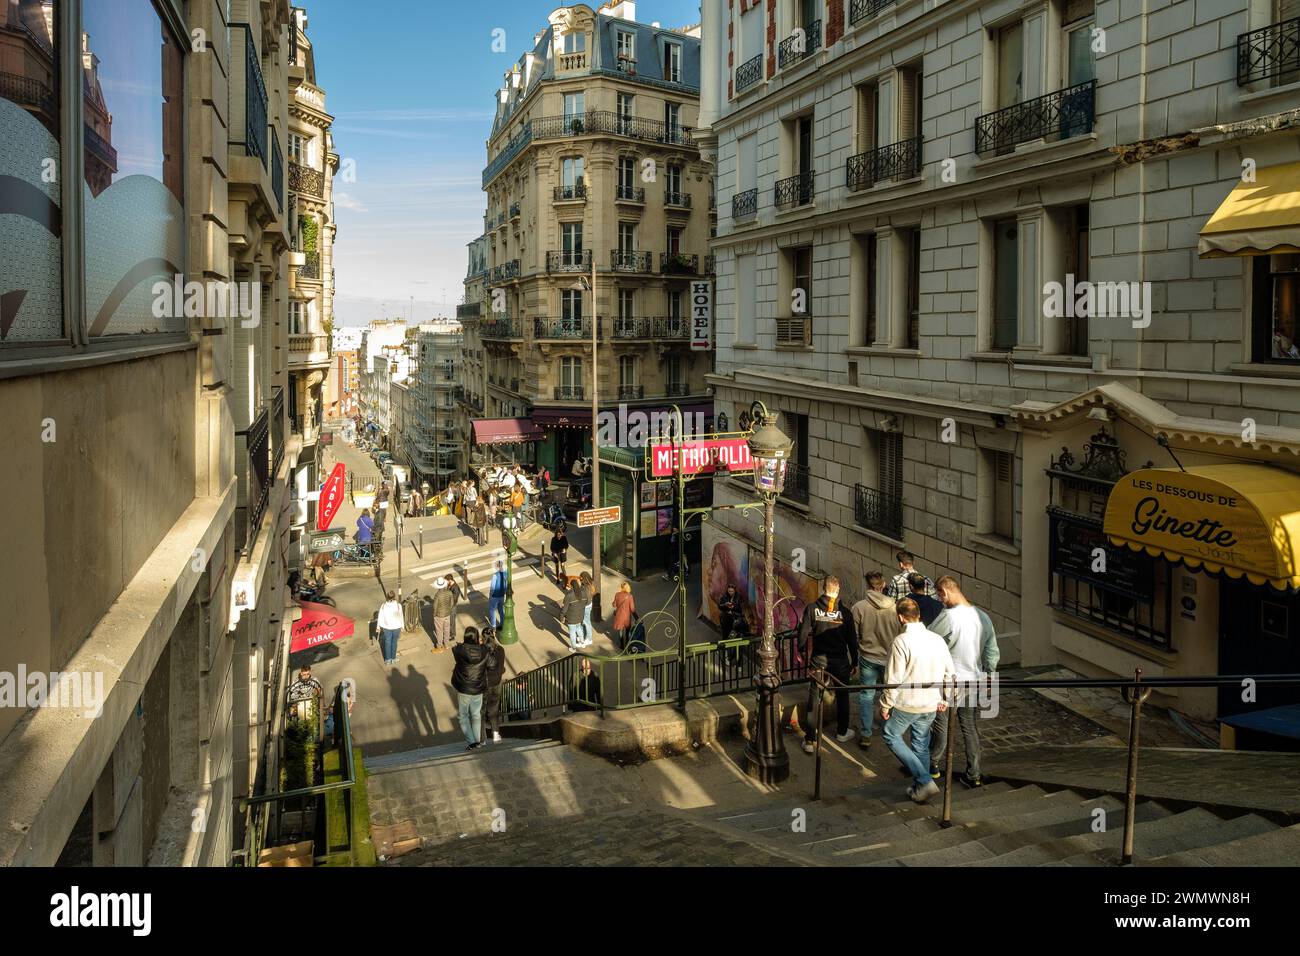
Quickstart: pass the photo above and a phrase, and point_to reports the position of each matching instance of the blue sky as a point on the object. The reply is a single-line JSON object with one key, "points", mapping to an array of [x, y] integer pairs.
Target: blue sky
{"points": [[411, 84]]}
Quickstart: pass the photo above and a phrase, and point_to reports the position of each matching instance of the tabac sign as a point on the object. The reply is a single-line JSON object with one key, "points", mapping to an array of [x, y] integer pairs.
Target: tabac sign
{"points": [[1242, 520]]}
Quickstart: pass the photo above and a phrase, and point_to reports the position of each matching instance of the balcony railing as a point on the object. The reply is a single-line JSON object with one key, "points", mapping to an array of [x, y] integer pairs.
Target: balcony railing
{"points": [[860, 10], [677, 198], [630, 194], [796, 483], [505, 271], [26, 91], [629, 327], [1062, 114], [1269, 52], [514, 211], [469, 310], [253, 124], [631, 391], [570, 193], [626, 64], [304, 179], [303, 345], [568, 260], [501, 327], [257, 475], [795, 190], [677, 390], [710, 265], [794, 331], [277, 170], [794, 49], [670, 327], [744, 205], [569, 393], [310, 267], [749, 73], [560, 327], [878, 511], [100, 148], [901, 160], [677, 263], [277, 432], [622, 261]]}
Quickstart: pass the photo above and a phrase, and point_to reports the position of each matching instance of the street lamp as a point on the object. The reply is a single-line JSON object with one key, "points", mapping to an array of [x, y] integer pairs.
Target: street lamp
{"points": [[595, 441], [765, 755], [508, 634]]}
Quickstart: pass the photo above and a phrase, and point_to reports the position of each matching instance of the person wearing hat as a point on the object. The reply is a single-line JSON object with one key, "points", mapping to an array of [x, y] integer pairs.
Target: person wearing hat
{"points": [[444, 607]]}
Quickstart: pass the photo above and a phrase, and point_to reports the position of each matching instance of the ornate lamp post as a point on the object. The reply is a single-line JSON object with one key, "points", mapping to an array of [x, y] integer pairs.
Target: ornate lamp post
{"points": [[508, 634], [765, 755]]}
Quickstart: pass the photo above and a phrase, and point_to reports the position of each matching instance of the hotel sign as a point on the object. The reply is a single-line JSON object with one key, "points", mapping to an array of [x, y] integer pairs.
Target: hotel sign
{"points": [[701, 316]]}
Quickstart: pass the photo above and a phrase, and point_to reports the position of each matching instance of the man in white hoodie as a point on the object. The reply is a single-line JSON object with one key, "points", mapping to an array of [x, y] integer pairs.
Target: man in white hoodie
{"points": [[917, 657], [973, 642]]}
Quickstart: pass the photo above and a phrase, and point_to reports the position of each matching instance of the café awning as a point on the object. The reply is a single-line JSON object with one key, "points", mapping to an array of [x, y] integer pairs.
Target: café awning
{"points": [[504, 431], [1257, 218], [1242, 520]]}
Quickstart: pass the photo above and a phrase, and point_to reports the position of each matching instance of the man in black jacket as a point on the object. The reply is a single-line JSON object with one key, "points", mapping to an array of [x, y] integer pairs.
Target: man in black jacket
{"points": [[469, 679], [829, 644]]}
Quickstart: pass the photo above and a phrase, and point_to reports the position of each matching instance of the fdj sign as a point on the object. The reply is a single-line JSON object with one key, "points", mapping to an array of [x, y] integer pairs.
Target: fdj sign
{"points": [[701, 316], [322, 541]]}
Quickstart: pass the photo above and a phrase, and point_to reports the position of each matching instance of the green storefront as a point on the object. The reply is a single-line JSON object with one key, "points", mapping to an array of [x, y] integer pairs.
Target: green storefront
{"points": [[642, 542]]}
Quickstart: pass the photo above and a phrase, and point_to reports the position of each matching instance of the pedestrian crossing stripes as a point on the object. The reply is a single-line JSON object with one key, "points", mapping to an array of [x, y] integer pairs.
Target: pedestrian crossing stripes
{"points": [[477, 569]]}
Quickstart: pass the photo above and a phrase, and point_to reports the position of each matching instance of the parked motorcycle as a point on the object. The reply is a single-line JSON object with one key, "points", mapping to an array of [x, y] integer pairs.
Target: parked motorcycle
{"points": [[307, 590]]}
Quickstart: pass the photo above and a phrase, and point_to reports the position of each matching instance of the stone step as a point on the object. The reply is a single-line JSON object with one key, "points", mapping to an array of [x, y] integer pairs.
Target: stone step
{"points": [[1012, 810], [1049, 844], [1279, 846], [407, 759]]}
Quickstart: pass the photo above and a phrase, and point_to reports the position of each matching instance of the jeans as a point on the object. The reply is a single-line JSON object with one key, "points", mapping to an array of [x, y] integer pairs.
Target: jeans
{"points": [[576, 635], [916, 759], [586, 622], [839, 671], [471, 716], [968, 718], [496, 610], [868, 673], [388, 642]]}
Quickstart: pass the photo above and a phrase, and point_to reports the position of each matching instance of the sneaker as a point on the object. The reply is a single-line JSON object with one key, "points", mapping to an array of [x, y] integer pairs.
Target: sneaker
{"points": [[846, 736], [936, 773], [920, 794], [473, 747], [496, 736], [864, 743], [397, 658], [809, 747], [971, 782]]}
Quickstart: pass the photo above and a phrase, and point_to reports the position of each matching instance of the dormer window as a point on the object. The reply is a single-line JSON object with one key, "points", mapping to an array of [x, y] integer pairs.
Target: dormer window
{"points": [[573, 43], [673, 62]]}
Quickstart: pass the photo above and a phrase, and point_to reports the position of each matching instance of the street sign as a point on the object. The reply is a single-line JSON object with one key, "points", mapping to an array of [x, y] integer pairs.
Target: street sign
{"points": [[594, 516], [701, 457], [331, 497], [319, 542]]}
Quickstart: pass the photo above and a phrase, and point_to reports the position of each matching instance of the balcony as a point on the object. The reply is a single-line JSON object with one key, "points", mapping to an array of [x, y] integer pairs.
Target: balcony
{"points": [[310, 268], [26, 91], [676, 390], [514, 211], [626, 64], [749, 73], [621, 261], [277, 170], [877, 511], [626, 392], [568, 260], [794, 331], [309, 348], [277, 431], [99, 148], [574, 193], [500, 327], [795, 49], [860, 10], [710, 265], [628, 327], [252, 458], [248, 112], [677, 198], [1058, 115], [573, 61], [794, 191], [670, 327], [469, 310], [304, 179], [634, 194], [744, 205], [796, 483], [677, 263], [569, 393], [901, 160], [1270, 53], [505, 271], [560, 327]]}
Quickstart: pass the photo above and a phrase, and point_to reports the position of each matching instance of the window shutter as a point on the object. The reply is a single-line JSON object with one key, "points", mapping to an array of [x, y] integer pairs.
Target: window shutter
{"points": [[866, 118], [907, 118], [889, 465], [1003, 495]]}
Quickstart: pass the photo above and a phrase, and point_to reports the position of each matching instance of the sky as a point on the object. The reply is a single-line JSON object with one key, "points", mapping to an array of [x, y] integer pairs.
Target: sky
{"points": [[411, 86]]}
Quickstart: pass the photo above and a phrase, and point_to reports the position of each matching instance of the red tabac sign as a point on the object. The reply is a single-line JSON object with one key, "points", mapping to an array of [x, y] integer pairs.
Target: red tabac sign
{"points": [[331, 497], [702, 457], [319, 624]]}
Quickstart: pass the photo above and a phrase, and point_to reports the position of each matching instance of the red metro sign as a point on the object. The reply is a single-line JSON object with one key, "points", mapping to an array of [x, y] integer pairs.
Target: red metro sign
{"points": [[331, 497]]}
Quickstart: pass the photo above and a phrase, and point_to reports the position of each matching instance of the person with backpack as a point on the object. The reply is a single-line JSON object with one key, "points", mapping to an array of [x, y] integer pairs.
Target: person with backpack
{"points": [[624, 614], [830, 646], [731, 618], [496, 669], [469, 680], [970, 637]]}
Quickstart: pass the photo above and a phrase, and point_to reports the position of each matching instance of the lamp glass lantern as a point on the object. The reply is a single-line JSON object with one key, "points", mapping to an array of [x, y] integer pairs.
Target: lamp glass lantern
{"points": [[770, 449]]}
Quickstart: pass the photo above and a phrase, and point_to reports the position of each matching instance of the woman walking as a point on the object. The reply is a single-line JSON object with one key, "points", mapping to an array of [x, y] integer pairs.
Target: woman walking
{"points": [[559, 553], [624, 614], [587, 592], [573, 613]]}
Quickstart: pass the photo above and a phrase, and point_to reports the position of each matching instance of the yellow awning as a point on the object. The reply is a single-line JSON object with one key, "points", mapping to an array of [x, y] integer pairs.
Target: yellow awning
{"points": [[1257, 218], [1239, 520]]}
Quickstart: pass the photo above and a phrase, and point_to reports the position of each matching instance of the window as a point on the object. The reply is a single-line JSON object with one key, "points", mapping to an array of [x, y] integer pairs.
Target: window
{"points": [[1006, 285], [627, 370], [673, 374], [298, 324], [878, 500], [298, 149], [796, 474], [672, 121], [675, 311], [673, 62], [868, 98], [626, 304], [673, 192], [1275, 307], [571, 304], [626, 111], [571, 177], [869, 293], [574, 110], [1076, 264], [809, 13], [801, 299], [910, 95], [674, 240], [627, 237], [626, 46], [746, 298], [804, 145], [998, 507], [1010, 66], [571, 233], [751, 33], [573, 42], [1080, 62], [912, 337], [571, 372], [747, 163]]}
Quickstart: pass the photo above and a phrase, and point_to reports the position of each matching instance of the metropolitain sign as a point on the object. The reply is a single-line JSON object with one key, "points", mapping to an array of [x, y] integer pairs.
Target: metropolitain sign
{"points": [[701, 457]]}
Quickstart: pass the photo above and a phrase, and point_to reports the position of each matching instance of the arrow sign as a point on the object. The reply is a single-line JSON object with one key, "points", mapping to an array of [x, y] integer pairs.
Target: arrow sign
{"points": [[331, 497]]}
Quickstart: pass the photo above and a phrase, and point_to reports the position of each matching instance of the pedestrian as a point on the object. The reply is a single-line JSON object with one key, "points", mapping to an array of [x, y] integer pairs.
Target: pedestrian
{"points": [[560, 553], [544, 480], [830, 646], [586, 688], [496, 669], [572, 610], [587, 591], [917, 658], [497, 596], [519, 703], [365, 530], [731, 622], [469, 680], [414, 505], [305, 695], [517, 500], [490, 509], [389, 622], [477, 522], [898, 586], [930, 607], [320, 564], [471, 492], [876, 623], [624, 614], [444, 606], [972, 641]]}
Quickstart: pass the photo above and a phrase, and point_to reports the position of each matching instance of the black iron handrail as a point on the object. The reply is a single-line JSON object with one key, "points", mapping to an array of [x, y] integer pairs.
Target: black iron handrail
{"points": [[277, 170], [1062, 114], [566, 393], [627, 193], [749, 73], [1269, 51], [571, 192], [678, 263], [631, 391], [796, 483], [796, 190], [632, 328], [568, 260], [501, 327], [257, 475], [630, 261], [788, 53], [877, 511], [560, 327], [304, 179], [255, 101], [677, 198], [895, 161], [670, 327], [744, 204]]}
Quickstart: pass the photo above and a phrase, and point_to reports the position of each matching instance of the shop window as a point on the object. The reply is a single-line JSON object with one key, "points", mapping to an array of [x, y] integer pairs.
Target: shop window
{"points": [[1275, 307]]}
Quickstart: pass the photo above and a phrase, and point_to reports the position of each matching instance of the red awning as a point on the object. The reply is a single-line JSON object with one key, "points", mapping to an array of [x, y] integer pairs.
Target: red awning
{"points": [[502, 431]]}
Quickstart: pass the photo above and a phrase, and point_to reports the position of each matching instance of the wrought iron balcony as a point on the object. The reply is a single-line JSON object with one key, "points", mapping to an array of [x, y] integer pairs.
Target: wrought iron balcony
{"points": [[304, 179], [677, 198], [877, 511], [277, 431], [860, 10], [794, 331], [670, 327], [628, 261], [631, 391], [630, 194], [677, 390], [794, 50], [100, 148], [796, 483], [570, 193], [1063, 114], [749, 73], [277, 170], [500, 327], [744, 205], [710, 265], [469, 310], [514, 210], [568, 260], [561, 327], [677, 263], [628, 327], [626, 64], [256, 476], [505, 271], [310, 268], [901, 160], [1269, 52], [569, 393], [26, 91], [795, 190], [253, 127]]}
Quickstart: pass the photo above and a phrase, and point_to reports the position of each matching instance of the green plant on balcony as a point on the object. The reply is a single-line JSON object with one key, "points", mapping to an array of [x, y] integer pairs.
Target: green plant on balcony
{"points": [[309, 233]]}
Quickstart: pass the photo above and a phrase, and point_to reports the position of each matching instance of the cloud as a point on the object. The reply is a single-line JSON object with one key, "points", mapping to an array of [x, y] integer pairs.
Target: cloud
{"points": [[344, 201]]}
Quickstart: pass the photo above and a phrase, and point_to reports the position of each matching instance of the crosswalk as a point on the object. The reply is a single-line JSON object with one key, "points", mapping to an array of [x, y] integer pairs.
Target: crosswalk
{"points": [[475, 570]]}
